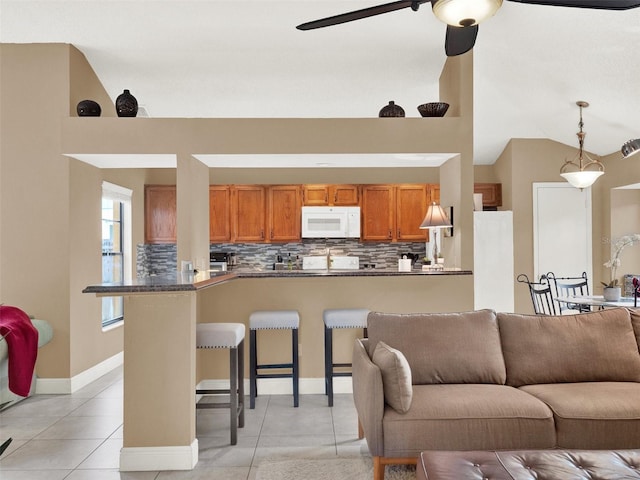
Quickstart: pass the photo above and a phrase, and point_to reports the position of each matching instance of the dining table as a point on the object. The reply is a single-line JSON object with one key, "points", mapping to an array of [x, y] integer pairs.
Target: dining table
{"points": [[597, 301]]}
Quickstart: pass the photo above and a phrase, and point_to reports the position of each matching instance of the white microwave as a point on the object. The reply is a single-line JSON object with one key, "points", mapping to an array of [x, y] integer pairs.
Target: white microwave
{"points": [[330, 222]]}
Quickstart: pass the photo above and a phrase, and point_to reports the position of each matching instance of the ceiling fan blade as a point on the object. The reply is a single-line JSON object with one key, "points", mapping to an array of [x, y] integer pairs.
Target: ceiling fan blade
{"points": [[359, 14], [600, 4], [460, 40]]}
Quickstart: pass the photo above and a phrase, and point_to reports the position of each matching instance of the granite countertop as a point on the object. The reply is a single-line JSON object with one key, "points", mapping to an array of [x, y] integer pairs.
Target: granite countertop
{"points": [[184, 282]]}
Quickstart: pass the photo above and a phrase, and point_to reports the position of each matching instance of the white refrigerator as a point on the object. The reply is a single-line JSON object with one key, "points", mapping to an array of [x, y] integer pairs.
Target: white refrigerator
{"points": [[493, 271]]}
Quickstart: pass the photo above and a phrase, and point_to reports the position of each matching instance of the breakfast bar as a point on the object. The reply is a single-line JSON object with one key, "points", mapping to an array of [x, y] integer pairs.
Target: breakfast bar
{"points": [[160, 367]]}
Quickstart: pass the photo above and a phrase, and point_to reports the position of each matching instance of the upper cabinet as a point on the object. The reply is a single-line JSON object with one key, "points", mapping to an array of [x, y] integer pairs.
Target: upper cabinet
{"points": [[284, 213], [378, 213], [248, 213], [491, 194], [328, 195], [392, 213], [219, 213], [160, 213], [411, 207]]}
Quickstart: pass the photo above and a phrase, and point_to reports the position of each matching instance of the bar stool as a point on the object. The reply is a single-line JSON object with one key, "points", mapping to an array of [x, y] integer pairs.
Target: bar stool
{"points": [[273, 320], [339, 318], [231, 336]]}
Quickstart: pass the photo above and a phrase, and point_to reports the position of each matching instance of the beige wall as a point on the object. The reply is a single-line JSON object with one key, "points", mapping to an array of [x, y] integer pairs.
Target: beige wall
{"points": [[49, 206]]}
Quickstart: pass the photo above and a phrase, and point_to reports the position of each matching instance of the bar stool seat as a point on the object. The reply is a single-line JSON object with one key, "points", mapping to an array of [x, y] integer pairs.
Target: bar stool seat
{"points": [[273, 320], [230, 336], [339, 318]]}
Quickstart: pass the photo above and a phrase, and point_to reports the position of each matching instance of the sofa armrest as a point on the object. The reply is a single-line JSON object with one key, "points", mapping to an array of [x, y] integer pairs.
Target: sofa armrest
{"points": [[368, 396]]}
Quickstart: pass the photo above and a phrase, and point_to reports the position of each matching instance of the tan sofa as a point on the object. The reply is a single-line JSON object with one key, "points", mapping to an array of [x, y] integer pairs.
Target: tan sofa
{"points": [[486, 381]]}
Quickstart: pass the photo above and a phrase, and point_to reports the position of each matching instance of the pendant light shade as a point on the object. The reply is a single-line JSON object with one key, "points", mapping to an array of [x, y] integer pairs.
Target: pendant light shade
{"points": [[630, 148], [464, 13], [581, 179], [582, 171], [435, 217]]}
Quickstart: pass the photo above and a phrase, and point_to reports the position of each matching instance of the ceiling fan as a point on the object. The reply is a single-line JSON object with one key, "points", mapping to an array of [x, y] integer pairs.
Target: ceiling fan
{"points": [[462, 16]]}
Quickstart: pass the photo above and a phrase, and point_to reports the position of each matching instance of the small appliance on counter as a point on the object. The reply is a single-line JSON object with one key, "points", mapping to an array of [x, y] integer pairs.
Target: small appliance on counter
{"points": [[222, 261]]}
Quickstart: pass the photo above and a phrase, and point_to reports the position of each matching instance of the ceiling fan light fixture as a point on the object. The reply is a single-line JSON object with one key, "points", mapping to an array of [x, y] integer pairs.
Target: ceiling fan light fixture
{"points": [[630, 148], [464, 13]]}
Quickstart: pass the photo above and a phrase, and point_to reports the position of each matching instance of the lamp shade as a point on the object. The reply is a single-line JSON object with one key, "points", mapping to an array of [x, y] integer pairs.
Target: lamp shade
{"points": [[630, 148], [435, 217], [464, 13], [583, 178]]}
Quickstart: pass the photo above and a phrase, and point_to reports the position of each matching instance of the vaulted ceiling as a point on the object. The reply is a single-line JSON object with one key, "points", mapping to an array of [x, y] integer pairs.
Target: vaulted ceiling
{"points": [[231, 58]]}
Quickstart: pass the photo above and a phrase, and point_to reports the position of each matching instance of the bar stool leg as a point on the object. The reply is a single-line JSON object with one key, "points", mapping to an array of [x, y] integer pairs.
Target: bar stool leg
{"points": [[253, 369], [233, 393], [241, 384], [294, 348], [328, 364]]}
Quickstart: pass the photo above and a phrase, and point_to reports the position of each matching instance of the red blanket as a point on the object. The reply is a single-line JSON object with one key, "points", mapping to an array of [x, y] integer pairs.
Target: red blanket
{"points": [[22, 340]]}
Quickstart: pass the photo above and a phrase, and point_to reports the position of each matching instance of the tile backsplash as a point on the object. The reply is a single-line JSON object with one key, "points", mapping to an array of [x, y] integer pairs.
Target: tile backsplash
{"points": [[162, 259]]}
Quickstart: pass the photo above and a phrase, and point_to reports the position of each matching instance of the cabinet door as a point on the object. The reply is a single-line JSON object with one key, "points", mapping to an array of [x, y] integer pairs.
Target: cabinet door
{"points": [[411, 207], [248, 213], [219, 213], [378, 211], [433, 193], [284, 217], [345, 195], [315, 195], [160, 214], [491, 193]]}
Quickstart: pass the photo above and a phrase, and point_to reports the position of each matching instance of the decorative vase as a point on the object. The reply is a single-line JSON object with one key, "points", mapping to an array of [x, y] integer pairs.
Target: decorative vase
{"points": [[88, 108], [126, 105], [391, 110], [612, 294]]}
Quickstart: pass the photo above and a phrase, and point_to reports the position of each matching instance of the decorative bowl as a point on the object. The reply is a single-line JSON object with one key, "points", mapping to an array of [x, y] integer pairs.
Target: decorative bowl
{"points": [[433, 109]]}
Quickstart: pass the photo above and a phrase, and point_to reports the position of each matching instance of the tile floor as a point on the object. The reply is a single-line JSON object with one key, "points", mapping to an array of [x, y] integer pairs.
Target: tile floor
{"points": [[79, 436]]}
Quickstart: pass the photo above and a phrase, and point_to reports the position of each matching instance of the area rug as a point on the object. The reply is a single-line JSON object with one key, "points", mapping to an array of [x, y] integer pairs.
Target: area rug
{"points": [[342, 468]]}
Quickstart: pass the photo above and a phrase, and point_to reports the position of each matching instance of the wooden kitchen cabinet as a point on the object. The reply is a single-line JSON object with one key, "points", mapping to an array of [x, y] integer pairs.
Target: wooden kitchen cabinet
{"points": [[329, 195], [248, 213], [491, 194], [219, 213], [377, 213], [411, 207], [160, 214], [284, 213]]}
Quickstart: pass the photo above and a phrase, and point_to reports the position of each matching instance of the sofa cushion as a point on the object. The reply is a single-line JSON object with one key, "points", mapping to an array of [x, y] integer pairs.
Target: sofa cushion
{"points": [[590, 347], [468, 417], [443, 347], [396, 377], [593, 415]]}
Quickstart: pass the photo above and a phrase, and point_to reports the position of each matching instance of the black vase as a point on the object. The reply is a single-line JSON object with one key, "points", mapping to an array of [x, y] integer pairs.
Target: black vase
{"points": [[88, 108], [391, 110], [126, 105]]}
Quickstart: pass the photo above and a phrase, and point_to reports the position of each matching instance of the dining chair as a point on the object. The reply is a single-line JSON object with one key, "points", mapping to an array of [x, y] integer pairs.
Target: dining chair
{"points": [[541, 295], [570, 287]]}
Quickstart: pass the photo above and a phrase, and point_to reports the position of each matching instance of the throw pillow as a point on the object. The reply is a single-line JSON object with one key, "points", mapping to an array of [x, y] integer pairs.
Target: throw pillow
{"points": [[396, 377]]}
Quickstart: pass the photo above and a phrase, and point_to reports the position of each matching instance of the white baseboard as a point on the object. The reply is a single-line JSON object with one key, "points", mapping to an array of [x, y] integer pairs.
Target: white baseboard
{"points": [[284, 386], [144, 459], [58, 386]]}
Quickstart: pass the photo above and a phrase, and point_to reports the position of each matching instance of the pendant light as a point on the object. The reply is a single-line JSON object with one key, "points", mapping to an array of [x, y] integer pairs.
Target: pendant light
{"points": [[464, 13], [582, 171]]}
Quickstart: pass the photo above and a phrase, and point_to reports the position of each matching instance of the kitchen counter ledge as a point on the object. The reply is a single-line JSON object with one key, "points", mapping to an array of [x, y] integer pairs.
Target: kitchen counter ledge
{"points": [[184, 282]]}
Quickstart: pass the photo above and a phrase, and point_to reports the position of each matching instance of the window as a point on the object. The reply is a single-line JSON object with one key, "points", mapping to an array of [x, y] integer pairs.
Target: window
{"points": [[116, 247]]}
